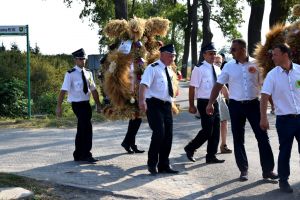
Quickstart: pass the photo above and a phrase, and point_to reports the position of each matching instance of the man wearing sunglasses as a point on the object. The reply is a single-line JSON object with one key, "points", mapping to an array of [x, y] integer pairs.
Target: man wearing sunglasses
{"points": [[242, 76], [79, 84]]}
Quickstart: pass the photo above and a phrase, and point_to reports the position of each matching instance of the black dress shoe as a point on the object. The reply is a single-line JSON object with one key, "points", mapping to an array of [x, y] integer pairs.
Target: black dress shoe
{"points": [[89, 159], [270, 175], [127, 148], [168, 170], [244, 176], [136, 150], [189, 154], [213, 160], [285, 187], [152, 170]]}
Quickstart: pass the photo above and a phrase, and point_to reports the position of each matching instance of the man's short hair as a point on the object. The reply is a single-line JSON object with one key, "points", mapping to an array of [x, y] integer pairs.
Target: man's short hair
{"points": [[241, 42], [284, 48]]}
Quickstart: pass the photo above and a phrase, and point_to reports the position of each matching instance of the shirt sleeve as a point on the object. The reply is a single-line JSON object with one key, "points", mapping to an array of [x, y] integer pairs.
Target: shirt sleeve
{"points": [[67, 82], [148, 76], [223, 78], [196, 77], [268, 85], [92, 82]]}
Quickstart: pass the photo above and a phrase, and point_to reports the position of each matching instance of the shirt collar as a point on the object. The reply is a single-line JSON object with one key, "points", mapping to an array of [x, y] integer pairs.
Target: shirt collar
{"points": [[247, 60], [78, 68], [283, 70], [161, 63]]}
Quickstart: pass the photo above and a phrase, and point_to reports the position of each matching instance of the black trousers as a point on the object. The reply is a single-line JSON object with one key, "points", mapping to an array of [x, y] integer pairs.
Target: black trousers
{"points": [[239, 112], [160, 120], [84, 135], [133, 127], [210, 131], [288, 128]]}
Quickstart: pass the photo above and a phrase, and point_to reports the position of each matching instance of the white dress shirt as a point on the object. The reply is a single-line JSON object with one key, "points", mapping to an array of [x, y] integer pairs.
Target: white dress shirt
{"points": [[243, 79], [155, 78], [73, 84], [285, 89], [203, 79]]}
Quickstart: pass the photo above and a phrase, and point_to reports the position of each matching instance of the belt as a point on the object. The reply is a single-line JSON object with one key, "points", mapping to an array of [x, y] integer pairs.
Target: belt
{"points": [[80, 102], [245, 101], [289, 116], [158, 100]]}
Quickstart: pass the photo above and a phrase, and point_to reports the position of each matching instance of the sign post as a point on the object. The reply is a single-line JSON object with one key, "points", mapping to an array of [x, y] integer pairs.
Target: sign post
{"points": [[21, 31]]}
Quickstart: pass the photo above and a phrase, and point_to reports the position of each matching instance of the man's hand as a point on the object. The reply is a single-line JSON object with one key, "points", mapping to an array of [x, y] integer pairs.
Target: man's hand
{"points": [[192, 109], [264, 123], [210, 109], [142, 105], [99, 110], [58, 111]]}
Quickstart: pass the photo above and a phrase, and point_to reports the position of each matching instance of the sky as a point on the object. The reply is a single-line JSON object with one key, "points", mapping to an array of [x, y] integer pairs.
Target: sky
{"points": [[57, 29]]}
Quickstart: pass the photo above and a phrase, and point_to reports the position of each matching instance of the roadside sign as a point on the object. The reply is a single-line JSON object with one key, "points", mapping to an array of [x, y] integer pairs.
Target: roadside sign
{"points": [[13, 30]]}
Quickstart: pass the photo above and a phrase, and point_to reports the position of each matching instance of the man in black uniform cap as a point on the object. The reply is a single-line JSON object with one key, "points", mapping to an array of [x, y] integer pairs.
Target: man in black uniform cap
{"points": [[79, 84], [155, 97]]}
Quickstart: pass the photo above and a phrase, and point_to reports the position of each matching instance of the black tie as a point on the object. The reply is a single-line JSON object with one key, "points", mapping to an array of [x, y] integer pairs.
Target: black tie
{"points": [[214, 73], [170, 88], [85, 88]]}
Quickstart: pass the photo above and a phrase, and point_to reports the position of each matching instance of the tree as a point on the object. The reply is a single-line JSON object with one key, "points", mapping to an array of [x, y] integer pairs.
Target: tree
{"points": [[14, 47], [187, 39], [280, 11], [2, 48], [207, 34], [255, 24], [194, 32]]}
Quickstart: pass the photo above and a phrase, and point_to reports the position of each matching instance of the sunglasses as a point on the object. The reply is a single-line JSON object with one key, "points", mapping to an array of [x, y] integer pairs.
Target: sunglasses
{"points": [[81, 58], [233, 49]]}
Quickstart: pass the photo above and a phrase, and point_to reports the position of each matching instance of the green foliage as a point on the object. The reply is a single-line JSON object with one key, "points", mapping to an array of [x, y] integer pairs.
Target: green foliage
{"points": [[47, 74], [228, 15], [12, 101]]}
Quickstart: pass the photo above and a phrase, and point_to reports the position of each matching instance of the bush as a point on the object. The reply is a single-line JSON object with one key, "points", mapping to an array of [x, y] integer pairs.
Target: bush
{"points": [[12, 101]]}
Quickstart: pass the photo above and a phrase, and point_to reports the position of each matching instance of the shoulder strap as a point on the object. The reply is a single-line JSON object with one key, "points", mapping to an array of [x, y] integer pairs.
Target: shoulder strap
{"points": [[154, 64], [71, 70]]}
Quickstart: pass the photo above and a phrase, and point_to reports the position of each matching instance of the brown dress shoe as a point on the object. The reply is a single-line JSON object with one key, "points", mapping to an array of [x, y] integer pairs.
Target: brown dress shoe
{"points": [[224, 149]]}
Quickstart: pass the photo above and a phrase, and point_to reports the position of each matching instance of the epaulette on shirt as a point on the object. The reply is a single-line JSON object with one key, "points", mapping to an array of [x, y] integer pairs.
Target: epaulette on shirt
{"points": [[71, 70], [199, 64], [154, 64]]}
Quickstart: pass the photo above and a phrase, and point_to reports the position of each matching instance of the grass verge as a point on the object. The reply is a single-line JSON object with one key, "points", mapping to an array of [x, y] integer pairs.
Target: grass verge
{"points": [[46, 121]]}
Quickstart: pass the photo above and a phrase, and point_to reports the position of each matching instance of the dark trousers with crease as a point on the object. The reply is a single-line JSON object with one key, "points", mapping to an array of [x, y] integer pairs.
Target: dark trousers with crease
{"points": [[288, 128], [210, 131], [239, 112], [160, 119], [133, 127], [84, 135]]}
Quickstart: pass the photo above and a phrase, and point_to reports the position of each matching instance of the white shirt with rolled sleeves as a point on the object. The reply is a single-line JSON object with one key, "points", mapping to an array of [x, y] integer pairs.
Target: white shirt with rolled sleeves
{"points": [[284, 88], [73, 84], [155, 78], [243, 79], [203, 79]]}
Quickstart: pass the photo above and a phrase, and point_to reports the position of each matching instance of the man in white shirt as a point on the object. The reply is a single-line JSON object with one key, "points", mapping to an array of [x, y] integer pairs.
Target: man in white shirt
{"points": [[283, 83], [155, 98], [203, 78], [242, 77], [79, 85]]}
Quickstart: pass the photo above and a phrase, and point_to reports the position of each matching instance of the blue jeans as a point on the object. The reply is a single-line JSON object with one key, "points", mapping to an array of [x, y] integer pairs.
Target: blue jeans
{"points": [[239, 112], [288, 127]]}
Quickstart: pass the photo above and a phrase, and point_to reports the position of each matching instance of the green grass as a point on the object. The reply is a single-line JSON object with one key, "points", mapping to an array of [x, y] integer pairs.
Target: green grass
{"points": [[41, 190], [46, 121]]}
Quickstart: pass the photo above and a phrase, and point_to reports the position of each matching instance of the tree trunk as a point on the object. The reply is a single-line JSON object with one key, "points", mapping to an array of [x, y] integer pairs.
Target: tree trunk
{"points": [[194, 32], [279, 12], [207, 34], [187, 39], [255, 24], [121, 9]]}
